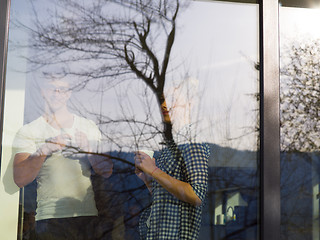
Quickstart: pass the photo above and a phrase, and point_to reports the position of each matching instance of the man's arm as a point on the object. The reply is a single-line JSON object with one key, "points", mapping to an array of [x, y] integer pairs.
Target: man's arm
{"points": [[26, 166], [182, 190]]}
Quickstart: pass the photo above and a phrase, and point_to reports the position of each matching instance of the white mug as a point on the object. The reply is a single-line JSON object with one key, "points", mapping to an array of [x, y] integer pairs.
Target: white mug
{"points": [[148, 152]]}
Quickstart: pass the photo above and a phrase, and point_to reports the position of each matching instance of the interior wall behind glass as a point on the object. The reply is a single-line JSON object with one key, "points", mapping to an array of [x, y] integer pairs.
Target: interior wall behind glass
{"points": [[117, 82]]}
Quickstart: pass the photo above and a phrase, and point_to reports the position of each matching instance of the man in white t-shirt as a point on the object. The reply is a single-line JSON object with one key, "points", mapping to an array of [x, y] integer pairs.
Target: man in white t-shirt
{"points": [[58, 150]]}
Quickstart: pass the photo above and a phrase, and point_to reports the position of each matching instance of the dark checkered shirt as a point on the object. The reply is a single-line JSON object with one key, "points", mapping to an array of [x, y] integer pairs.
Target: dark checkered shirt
{"points": [[168, 217]]}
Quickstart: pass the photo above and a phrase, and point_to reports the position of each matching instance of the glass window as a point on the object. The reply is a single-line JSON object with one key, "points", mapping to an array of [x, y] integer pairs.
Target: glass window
{"points": [[299, 110], [96, 88]]}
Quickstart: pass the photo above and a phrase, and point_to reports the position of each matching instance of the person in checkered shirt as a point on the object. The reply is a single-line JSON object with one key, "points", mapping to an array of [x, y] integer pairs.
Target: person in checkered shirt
{"points": [[178, 181]]}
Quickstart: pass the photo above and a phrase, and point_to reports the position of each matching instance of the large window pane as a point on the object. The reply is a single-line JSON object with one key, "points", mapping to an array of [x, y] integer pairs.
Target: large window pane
{"points": [[91, 83], [299, 123]]}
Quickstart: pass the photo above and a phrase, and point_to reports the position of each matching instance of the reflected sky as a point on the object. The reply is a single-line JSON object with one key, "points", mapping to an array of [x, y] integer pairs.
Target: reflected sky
{"points": [[299, 23]]}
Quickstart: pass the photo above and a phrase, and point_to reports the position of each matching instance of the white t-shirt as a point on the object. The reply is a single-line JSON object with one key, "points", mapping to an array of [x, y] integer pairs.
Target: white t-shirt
{"points": [[63, 184]]}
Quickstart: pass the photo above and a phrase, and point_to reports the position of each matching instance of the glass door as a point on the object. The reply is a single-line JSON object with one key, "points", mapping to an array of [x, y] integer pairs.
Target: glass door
{"points": [[130, 76]]}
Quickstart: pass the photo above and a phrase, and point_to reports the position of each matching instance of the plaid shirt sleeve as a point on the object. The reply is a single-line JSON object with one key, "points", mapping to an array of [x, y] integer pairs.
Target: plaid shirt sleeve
{"points": [[196, 164], [171, 218]]}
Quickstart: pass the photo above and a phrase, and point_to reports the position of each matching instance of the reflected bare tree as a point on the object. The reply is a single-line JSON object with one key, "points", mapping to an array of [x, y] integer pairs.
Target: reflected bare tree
{"points": [[300, 102], [113, 40], [299, 115]]}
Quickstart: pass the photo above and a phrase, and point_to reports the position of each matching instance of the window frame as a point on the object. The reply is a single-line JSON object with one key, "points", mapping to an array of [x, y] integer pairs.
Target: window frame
{"points": [[269, 120], [4, 34]]}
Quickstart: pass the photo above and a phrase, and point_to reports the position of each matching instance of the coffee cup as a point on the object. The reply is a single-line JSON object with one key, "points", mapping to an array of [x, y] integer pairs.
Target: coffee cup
{"points": [[148, 152]]}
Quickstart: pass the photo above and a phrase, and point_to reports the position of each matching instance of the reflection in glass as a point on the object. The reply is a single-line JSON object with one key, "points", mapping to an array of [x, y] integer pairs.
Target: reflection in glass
{"points": [[299, 123], [160, 76]]}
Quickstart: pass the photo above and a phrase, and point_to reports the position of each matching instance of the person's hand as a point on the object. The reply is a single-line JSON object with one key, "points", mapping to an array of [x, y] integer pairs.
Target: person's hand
{"points": [[143, 176], [102, 165], [82, 141], [144, 163], [55, 144]]}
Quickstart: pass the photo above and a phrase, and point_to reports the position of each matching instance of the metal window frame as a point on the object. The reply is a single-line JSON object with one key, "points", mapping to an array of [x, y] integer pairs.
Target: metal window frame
{"points": [[270, 209], [269, 120], [4, 35]]}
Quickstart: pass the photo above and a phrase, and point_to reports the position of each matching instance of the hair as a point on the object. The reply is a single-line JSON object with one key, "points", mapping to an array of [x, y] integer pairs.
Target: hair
{"points": [[42, 80], [46, 74]]}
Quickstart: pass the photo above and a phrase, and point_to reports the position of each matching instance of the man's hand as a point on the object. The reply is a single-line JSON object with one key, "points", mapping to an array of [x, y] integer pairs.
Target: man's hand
{"points": [[54, 144], [102, 165], [82, 141]]}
